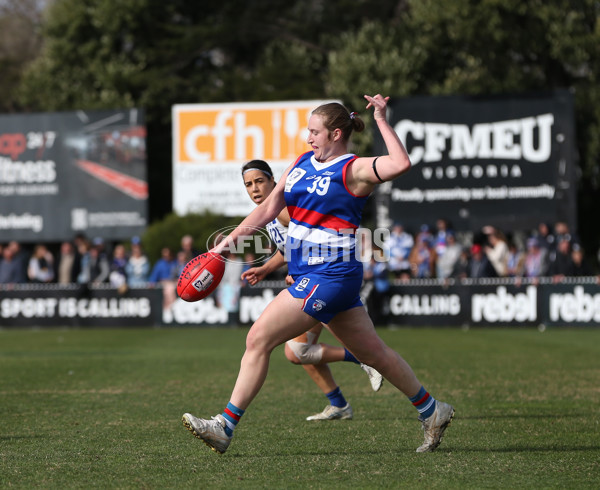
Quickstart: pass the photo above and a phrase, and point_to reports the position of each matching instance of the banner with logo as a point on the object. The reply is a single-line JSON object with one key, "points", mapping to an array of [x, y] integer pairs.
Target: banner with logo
{"points": [[211, 142], [461, 305], [573, 304], [427, 305], [79, 306], [502, 161], [73, 172]]}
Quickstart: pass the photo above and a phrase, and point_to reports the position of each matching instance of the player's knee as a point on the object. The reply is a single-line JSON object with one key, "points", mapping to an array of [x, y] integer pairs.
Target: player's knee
{"points": [[303, 353], [289, 354], [258, 340]]}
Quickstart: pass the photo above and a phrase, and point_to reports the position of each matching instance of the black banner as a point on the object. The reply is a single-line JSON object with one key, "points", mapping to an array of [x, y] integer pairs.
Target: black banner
{"points": [[502, 161], [199, 313], [572, 305], [73, 172], [575, 303], [79, 306]]}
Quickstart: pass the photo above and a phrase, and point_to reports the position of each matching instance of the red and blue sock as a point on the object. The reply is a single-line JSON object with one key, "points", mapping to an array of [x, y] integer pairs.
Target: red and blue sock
{"points": [[424, 403], [336, 398], [232, 416]]}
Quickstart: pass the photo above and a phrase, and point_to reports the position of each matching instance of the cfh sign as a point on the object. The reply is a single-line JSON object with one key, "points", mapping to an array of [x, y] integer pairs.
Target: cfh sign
{"points": [[212, 141]]}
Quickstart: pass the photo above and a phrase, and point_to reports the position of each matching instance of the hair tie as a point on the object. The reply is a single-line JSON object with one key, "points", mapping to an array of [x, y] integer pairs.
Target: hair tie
{"points": [[353, 115]]}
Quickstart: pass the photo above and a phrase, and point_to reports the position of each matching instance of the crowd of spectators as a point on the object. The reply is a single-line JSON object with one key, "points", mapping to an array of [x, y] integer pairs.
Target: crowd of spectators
{"points": [[438, 252], [84, 261]]}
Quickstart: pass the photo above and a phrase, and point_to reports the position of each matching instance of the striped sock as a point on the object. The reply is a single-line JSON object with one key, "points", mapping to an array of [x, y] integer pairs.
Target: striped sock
{"points": [[232, 415], [424, 403], [349, 357], [336, 398]]}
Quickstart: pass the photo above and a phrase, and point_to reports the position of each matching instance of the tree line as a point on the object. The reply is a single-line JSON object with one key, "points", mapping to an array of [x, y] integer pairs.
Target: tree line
{"points": [[66, 54]]}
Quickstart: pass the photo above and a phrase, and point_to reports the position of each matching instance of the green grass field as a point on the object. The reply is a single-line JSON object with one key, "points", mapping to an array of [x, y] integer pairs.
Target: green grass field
{"points": [[102, 408]]}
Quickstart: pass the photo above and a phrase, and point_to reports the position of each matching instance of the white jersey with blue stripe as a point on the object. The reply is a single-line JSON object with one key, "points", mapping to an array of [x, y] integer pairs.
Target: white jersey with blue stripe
{"points": [[278, 234], [324, 217]]}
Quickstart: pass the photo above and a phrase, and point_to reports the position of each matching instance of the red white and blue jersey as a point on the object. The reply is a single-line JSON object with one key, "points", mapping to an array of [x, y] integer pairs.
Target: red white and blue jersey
{"points": [[324, 217]]}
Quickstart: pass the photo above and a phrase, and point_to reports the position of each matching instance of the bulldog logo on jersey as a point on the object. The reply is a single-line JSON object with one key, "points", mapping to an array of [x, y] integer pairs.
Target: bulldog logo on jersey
{"points": [[318, 305]]}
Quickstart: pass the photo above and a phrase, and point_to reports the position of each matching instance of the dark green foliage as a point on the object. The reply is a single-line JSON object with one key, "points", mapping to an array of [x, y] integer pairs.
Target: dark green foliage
{"points": [[168, 231], [153, 54]]}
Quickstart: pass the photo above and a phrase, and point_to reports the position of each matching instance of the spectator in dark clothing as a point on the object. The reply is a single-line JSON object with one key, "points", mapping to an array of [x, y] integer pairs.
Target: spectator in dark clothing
{"points": [[545, 238], [10, 267], [376, 273], [461, 266], [581, 267], [95, 267], [479, 265], [562, 264], [20, 259]]}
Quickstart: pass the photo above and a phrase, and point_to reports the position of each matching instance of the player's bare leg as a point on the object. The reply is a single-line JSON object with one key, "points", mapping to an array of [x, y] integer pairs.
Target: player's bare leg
{"points": [[306, 350], [356, 331], [282, 319]]}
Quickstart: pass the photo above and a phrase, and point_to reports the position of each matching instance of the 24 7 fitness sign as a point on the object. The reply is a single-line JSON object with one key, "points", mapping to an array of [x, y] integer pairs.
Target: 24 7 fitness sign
{"points": [[504, 161], [71, 172]]}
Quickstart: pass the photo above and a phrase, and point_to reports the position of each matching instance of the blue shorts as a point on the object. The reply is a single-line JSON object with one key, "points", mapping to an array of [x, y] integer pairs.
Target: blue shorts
{"points": [[327, 295]]}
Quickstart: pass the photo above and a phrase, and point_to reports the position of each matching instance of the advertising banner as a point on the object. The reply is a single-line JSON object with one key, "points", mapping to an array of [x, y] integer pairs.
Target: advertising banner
{"points": [[211, 142], [575, 304], [79, 306], [206, 312], [254, 300], [459, 305], [501, 161], [72, 172], [428, 305]]}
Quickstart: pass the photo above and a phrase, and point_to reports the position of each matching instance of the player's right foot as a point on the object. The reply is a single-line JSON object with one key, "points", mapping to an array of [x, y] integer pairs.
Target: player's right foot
{"points": [[434, 426], [375, 376], [212, 432], [332, 413]]}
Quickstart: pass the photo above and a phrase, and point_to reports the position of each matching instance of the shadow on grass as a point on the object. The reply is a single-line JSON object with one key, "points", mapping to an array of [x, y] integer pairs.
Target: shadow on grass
{"points": [[441, 450], [14, 438], [523, 416], [522, 449]]}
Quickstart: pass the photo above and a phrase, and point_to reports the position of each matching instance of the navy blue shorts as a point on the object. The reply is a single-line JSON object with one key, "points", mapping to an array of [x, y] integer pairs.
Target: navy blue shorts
{"points": [[327, 295]]}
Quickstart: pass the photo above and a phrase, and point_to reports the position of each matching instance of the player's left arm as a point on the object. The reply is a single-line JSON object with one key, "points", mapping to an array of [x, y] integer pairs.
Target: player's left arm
{"points": [[365, 173]]}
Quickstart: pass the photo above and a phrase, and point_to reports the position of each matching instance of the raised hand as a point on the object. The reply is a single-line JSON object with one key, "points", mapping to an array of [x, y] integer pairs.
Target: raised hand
{"points": [[379, 104]]}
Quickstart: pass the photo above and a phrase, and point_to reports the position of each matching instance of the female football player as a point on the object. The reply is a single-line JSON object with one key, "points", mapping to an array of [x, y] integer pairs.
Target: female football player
{"points": [[325, 191]]}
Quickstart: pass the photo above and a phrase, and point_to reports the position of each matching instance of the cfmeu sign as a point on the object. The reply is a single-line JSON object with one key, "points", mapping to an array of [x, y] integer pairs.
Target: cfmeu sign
{"points": [[211, 142]]}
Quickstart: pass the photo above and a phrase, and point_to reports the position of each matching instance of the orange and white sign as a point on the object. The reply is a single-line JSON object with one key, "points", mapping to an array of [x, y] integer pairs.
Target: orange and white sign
{"points": [[211, 142]]}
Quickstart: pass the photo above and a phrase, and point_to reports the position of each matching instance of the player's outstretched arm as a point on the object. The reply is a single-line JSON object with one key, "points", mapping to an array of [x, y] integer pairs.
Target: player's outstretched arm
{"points": [[266, 211]]}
